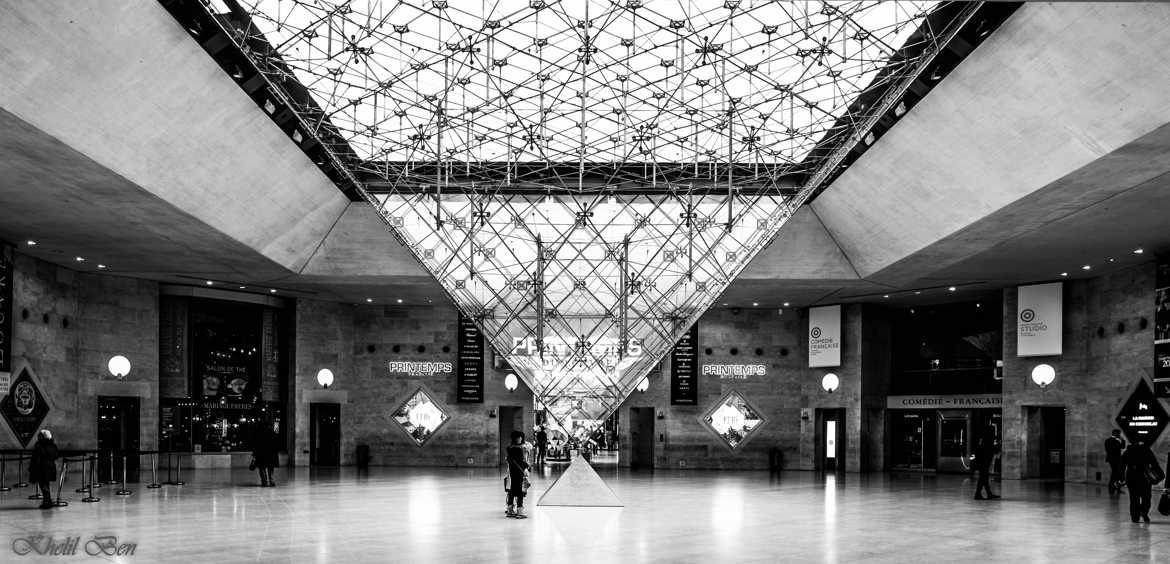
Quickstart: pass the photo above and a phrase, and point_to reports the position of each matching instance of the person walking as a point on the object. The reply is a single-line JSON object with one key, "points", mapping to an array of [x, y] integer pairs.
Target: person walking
{"points": [[1142, 471], [42, 469], [517, 476], [265, 453], [1114, 446], [541, 445], [984, 456]]}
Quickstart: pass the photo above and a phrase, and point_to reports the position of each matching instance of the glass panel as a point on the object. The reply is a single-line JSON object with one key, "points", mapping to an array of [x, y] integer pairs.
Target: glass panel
{"points": [[830, 439], [420, 416], [954, 438], [733, 419]]}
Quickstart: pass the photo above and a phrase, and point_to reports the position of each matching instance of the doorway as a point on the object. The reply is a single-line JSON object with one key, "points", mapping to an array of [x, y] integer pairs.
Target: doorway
{"points": [[641, 438], [118, 431], [954, 441], [830, 438], [511, 419], [1044, 452], [325, 434]]}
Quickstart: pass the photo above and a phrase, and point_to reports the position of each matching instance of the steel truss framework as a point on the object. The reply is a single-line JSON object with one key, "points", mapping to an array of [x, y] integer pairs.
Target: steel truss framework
{"points": [[585, 178]]}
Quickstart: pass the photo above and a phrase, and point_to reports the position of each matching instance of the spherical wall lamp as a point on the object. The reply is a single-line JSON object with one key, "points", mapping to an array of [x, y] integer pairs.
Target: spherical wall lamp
{"points": [[511, 382], [830, 382], [119, 366], [325, 378], [1043, 375], [643, 385]]}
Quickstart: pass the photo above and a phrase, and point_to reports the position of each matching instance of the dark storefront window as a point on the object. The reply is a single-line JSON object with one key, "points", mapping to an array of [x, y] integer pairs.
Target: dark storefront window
{"points": [[948, 348], [235, 364]]}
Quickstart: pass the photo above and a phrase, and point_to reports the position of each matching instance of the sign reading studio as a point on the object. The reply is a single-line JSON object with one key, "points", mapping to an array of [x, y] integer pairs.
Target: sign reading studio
{"points": [[1039, 319]]}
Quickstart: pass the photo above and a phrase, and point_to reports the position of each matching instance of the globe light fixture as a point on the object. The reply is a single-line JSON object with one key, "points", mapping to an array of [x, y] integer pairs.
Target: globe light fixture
{"points": [[1043, 375], [830, 382], [325, 378], [119, 366], [643, 385], [511, 382]]}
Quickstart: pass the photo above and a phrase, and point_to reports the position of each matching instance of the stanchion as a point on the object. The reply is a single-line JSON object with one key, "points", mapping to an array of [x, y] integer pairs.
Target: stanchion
{"points": [[177, 464], [85, 463], [123, 491], [20, 473], [93, 461], [110, 476], [61, 482], [3, 488], [154, 471]]}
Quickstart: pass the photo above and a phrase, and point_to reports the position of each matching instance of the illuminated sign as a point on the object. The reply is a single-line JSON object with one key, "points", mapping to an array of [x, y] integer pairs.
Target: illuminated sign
{"points": [[734, 371], [945, 402], [1142, 418], [420, 368]]}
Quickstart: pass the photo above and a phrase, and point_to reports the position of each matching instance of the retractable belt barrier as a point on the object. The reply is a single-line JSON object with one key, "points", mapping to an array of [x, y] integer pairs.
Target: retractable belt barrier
{"points": [[17, 456], [175, 461]]}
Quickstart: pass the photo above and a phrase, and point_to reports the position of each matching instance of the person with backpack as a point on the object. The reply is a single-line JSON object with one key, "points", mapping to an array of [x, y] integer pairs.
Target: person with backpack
{"points": [[1142, 471], [516, 484]]}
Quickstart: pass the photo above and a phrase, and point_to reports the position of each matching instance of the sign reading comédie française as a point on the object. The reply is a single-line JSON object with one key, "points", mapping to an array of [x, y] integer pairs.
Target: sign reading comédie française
{"points": [[1039, 319], [469, 365], [945, 402], [684, 366], [7, 270], [824, 336]]}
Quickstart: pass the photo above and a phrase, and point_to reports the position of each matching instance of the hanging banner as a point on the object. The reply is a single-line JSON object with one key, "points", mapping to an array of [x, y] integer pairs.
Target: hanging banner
{"points": [[469, 367], [1039, 319], [1162, 329], [824, 336], [7, 271], [684, 369]]}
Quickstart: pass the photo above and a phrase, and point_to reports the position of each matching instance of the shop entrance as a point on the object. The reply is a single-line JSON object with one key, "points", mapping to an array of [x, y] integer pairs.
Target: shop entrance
{"points": [[830, 451], [325, 434], [1044, 440], [117, 428], [914, 435], [512, 419], [941, 440], [641, 438]]}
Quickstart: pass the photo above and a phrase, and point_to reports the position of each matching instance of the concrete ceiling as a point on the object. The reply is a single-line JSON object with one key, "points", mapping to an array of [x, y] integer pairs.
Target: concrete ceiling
{"points": [[1046, 149]]}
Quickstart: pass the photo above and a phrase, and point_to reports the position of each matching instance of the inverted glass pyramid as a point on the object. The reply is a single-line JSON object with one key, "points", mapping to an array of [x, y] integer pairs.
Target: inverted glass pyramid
{"points": [[583, 178]]}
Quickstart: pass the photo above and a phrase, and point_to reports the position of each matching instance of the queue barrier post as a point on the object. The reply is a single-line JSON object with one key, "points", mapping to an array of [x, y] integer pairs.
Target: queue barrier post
{"points": [[123, 491], [175, 460], [3, 488], [85, 464], [92, 476], [110, 475], [61, 482], [154, 471], [20, 474]]}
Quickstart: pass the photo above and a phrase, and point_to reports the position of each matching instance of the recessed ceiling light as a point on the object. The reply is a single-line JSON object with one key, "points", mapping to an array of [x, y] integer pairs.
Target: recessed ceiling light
{"points": [[755, 304], [32, 243], [1110, 259], [1086, 267], [785, 304], [399, 300], [369, 300], [952, 289], [272, 290], [724, 303], [1064, 274], [1136, 251], [79, 259], [242, 287], [886, 296], [917, 292], [101, 266], [209, 283]]}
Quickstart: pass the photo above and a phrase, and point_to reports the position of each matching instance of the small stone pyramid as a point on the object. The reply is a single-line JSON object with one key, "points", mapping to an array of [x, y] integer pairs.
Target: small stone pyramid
{"points": [[579, 486]]}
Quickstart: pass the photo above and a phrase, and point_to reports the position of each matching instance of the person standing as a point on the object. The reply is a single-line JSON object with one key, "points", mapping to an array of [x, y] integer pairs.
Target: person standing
{"points": [[517, 476], [265, 453], [42, 469], [1114, 446], [1139, 463], [541, 445], [984, 456]]}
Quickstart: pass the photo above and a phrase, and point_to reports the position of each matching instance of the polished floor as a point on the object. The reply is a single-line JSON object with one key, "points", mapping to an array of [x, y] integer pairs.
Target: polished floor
{"points": [[456, 515]]}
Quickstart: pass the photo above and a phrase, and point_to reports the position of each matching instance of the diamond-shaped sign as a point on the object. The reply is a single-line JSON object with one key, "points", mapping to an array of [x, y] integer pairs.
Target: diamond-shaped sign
{"points": [[24, 407], [733, 419], [420, 416], [1143, 418]]}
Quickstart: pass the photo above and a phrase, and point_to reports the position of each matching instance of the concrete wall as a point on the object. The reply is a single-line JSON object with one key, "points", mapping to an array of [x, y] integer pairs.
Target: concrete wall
{"points": [[90, 318], [340, 337], [1094, 376], [789, 389]]}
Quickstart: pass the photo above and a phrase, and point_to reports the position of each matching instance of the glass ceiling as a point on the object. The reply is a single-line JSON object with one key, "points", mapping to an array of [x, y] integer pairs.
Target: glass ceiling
{"points": [[584, 292]]}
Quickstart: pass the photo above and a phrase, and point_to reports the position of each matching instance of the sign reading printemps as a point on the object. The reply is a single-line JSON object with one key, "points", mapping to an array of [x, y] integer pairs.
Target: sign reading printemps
{"points": [[824, 336], [420, 368], [1040, 320], [606, 349], [991, 401], [734, 371]]}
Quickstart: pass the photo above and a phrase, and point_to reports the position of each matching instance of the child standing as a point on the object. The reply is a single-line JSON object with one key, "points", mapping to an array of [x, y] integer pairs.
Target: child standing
{"points": [[517, 476]]}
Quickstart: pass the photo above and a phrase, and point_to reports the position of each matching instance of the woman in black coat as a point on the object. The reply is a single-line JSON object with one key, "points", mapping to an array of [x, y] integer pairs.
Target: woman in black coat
{"points": [[42, 469], [517, 460], [1138, 458], [265, 454]]}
